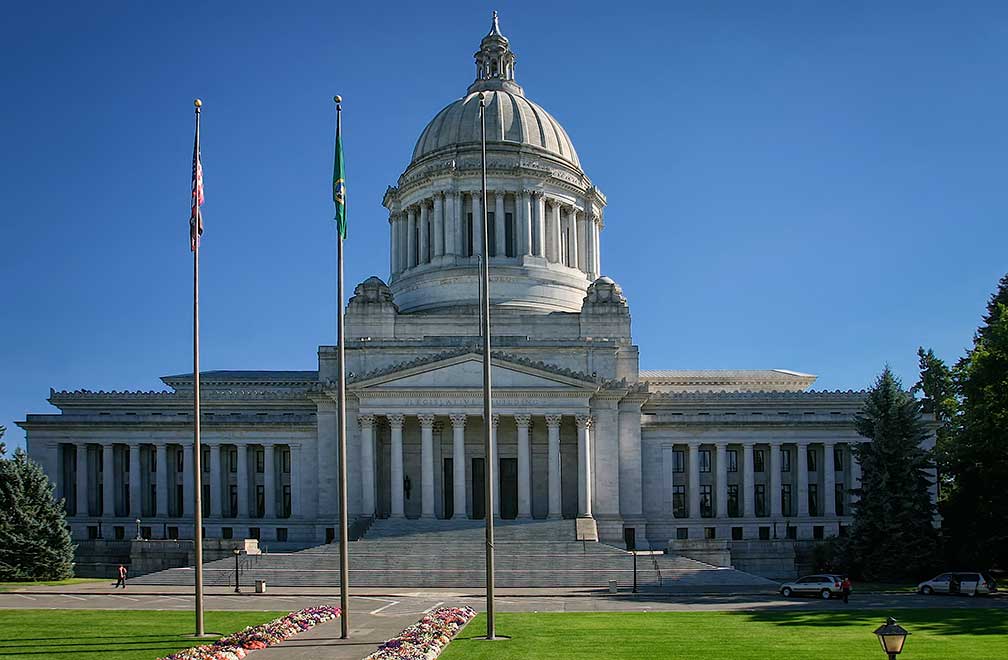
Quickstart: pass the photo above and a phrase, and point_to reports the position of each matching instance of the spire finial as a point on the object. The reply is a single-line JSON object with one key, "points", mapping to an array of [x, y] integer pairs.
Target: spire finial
{"points": [[495, 27], [495, 62]]}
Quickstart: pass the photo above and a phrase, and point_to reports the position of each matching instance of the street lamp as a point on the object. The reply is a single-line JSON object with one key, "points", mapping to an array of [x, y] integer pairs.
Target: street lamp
{"points": [[892, 636], [236, 553], [138, 538]]}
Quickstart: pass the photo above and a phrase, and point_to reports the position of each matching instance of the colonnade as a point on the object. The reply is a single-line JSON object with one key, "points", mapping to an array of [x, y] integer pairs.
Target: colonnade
{"points": [[426, 422], [155, 479], [525, 223], [714, 499]]}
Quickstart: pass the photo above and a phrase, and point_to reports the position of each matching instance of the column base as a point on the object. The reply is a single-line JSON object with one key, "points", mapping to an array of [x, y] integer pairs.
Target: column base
{"points": [[554, 516], [586, 529]]}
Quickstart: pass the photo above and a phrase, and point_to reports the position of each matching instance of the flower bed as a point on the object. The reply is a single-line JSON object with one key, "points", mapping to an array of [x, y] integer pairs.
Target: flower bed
{"points": [[237, 645], [427, 638]]}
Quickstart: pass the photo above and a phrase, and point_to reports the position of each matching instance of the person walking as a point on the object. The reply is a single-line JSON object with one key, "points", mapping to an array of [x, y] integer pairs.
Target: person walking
{"points": [[845, 588], [122, 577]]}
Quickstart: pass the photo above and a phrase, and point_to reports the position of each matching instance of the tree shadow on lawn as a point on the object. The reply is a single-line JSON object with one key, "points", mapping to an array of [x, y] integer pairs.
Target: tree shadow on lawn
{"points": [[992, 621]]}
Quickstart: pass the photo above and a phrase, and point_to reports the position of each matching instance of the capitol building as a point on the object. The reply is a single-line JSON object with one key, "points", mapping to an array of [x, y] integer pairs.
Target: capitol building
{"points": [[580, 431]]}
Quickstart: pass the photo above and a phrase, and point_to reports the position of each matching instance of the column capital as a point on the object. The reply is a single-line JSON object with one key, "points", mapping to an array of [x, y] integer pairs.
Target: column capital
{"points": [[830, 443], [366, 420], [426, 420], [553, 421], [802, 443], [523, 420], [747, 443], [693, 444], [396, 420], [458, 420], [583, 421], [495, 420]]}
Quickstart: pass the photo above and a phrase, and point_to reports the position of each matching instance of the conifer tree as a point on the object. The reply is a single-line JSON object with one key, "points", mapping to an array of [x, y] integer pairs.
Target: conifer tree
{"points": [[893, 535], [34, 541], [938, 386]]}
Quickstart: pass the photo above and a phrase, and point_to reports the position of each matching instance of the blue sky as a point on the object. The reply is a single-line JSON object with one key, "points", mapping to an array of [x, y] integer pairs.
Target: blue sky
{"points": [[808, 186]]}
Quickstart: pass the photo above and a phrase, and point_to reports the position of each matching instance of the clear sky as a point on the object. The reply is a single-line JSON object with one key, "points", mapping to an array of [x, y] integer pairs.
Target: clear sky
{"points": [[800, 185]]}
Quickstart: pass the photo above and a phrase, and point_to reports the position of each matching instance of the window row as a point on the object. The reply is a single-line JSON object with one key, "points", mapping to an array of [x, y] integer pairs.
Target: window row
{"points": [[759, 460], [788, 509]]}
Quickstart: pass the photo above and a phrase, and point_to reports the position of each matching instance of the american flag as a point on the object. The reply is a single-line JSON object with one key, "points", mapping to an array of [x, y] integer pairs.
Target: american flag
{"points": [[195, 217]]}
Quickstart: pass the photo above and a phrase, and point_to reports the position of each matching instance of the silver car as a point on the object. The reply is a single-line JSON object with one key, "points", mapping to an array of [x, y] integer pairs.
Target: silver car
{"points": [[824, 585], [958, 582]]}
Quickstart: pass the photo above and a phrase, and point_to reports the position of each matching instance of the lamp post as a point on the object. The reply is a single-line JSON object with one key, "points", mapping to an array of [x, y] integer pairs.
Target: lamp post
{"points": [[236, 553], [138, 537], [891, 636]]}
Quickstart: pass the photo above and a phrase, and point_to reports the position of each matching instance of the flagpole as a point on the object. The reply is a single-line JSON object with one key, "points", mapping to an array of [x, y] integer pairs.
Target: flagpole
{"points": [[341, 393], [488, 473], [197, 480]]}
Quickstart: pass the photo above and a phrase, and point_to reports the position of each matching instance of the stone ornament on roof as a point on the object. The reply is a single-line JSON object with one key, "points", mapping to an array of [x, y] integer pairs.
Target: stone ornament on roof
{"points": [[372, 291]]}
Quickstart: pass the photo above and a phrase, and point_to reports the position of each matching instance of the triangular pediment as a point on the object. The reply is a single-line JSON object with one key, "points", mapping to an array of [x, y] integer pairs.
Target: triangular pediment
{"points": [[466, 372]]}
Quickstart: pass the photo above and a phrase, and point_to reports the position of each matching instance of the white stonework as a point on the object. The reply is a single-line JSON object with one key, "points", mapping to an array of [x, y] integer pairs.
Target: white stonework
{"points": [[581, 431]]}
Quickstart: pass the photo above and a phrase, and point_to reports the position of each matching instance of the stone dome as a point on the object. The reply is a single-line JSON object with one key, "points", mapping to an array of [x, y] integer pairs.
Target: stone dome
{"points": [[511, 119]]}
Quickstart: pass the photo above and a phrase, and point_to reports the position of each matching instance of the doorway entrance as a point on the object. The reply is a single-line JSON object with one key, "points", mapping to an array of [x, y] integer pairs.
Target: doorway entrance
{"points": [[509, 488], [478, 492]]}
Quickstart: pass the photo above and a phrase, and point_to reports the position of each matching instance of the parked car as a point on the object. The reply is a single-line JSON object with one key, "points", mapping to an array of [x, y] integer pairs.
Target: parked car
{"points": [[824, 585], [956, 582]]}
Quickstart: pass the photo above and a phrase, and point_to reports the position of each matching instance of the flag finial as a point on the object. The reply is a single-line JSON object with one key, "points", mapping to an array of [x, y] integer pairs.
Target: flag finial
{"points": [[198, 103], [338, 98]]}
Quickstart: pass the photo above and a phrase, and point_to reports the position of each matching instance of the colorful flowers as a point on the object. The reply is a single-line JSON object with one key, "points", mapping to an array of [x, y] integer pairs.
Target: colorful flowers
{"points": [[427, 638], [237, 645]]}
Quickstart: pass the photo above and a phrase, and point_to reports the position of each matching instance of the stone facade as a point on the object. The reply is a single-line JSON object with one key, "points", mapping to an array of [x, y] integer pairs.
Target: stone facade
{"points": [[579, 431]]}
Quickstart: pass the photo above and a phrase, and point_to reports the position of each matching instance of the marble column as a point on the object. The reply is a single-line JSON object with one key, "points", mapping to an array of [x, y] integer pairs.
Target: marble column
{"points": [[500, 233], [458, 422], [539, 225], [477, 223], [411, 235], [426, 465], [367, 477], [188, 494], [553, 464], [596, 228], [554, 230], [269, 481], [108, 481], [524, 466], [135, 483], [215, 480], [241, 481], [722, 479], [584, 467], [495, 462], [855, 473], [82, 480], [801, 449], [524, 199], [749, 480], [828, 497], [453, 237], [439, 225], [694, 480], [393, 233], [396, 472], [161, 490], [424, 233], [775, 480], [589, 230], [295, 480], [573, 243]]}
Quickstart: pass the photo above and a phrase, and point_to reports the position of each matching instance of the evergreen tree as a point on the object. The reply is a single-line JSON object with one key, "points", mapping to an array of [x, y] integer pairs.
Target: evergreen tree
{"points": [[938, 386], [892, 535], [34, 541], [977, 511]]}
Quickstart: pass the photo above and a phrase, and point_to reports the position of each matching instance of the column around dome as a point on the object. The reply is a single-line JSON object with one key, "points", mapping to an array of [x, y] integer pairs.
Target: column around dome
{"points": [[474, 227], [450, 204], [554, 230], [526, 223], [573, 241], [392, 244], [424, 233], [439, 225], [500, 235], [411, 235], [539, 226], [582, 242]]}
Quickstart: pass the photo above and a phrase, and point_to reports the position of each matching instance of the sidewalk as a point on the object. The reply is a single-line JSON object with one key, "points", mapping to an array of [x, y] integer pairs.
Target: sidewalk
{"points": [[323, 642]]}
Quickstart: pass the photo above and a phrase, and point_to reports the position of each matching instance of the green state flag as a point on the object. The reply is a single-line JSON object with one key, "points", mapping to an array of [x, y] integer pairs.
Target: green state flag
{"points": [[339, 185]]}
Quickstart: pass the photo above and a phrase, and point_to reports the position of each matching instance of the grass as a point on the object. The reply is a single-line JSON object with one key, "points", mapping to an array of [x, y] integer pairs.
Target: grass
{"points": [[12, 586], [109, 634], [977, 634]]}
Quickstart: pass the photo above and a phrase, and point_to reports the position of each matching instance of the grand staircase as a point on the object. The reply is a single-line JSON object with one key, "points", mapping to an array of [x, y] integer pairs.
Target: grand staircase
{"points": [[451, 553]]}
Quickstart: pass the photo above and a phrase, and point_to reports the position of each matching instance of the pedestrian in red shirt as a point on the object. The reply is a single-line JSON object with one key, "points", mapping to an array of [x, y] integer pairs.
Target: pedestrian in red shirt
{"points": [[845, 588]]}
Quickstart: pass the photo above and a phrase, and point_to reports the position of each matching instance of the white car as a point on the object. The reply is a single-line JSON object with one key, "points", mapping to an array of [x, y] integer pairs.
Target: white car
{"points": [[824, 585], [958, 582]]}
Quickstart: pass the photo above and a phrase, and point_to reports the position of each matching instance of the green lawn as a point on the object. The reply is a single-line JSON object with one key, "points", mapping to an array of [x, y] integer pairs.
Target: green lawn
{"points": [[11, 586], [976, 634], [109, 634]]}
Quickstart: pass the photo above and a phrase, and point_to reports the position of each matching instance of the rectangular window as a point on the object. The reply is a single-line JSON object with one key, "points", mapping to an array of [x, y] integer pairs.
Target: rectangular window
{"points": [[839, 499], [817, 532], [708, 533], [233, 500], [206, 501], [679, 501], [681, 533], [811, 460], [469, 235], [813, 500], [173, 533], [706, 501], [205, 460], [678, 460], [227, 533], [260, 501], [732, 460], [785, 497], [764, 533], [759, 460], [785, 460], [92, 532], [179, 460], [118, 532], [285, 459], [153, 502], [153, 460], [705, 460], [760, 500], [791, 532], [260, 459], [838, 458], [253, 533], [843, 531], [281, 534], [286, 513], [492, 232], [179, 500], [145, 532], [736, 533], [733, 507], [509, 234], [233, 460]]}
